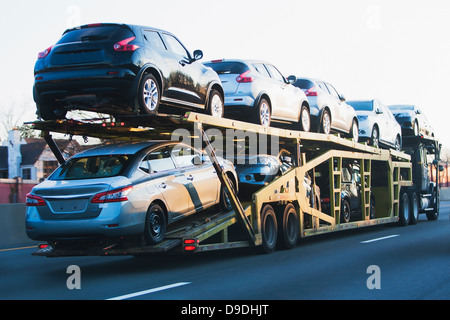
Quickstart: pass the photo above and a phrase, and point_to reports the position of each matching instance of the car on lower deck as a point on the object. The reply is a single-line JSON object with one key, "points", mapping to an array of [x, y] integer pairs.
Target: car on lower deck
{"points": [[125, 190], [122, 69], [257, 92]]}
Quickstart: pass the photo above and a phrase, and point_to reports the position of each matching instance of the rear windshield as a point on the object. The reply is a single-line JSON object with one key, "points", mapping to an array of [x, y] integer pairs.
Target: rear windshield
{"points": [[361, 105], [91, 167], [304, 84], [97, 33], [228, 67]]}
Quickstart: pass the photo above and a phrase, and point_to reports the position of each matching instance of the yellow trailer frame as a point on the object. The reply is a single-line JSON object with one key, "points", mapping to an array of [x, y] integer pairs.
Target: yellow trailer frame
{"points": [[312, 150]]}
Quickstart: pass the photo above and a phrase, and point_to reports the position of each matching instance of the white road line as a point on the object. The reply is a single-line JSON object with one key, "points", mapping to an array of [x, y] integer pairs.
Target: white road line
{"points": [[140, 293], [382, 238]]}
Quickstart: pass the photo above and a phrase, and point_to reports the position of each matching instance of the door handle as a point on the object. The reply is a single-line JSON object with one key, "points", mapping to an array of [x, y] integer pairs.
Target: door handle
{"points": [[190, 178], [163, 185]]}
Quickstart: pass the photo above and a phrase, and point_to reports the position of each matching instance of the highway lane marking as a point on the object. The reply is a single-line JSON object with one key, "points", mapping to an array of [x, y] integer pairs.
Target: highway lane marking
{"points": [[20, 248], [382, 238], [141, 293]]}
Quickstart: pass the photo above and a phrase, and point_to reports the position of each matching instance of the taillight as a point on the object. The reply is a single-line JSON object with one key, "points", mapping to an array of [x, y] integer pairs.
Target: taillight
{"points": [[116, 195], [34, 201], [311, 92], [43, 54], [124, 46], [242, 78]]}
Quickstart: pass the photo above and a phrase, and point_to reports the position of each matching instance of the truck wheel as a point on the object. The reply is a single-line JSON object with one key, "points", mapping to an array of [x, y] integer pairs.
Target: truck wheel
{"points": [[434, 215], [414, 217], [269, 229], [403, 213], [288, 232], [155, 225]]}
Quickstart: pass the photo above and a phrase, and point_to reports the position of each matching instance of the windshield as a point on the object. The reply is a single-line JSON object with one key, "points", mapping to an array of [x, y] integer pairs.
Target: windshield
{"points": [[401, 107], [91, 167], [361, 105]]}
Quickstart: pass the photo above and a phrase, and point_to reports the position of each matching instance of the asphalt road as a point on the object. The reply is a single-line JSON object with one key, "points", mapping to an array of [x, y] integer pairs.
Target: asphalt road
{"points": [[382, 262]]}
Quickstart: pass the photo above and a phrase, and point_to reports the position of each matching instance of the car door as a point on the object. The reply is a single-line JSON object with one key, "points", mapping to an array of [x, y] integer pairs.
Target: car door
{"points": [[340, 114], [200, 178], [168, 180], [186, 82], [280, 105]]}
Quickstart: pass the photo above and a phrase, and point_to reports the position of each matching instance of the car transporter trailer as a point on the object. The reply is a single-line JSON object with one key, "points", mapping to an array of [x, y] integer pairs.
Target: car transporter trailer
{"points": [[275, 216]]}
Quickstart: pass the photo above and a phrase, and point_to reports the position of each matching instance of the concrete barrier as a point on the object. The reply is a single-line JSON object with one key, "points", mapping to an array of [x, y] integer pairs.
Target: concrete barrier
{"points": [[12, 226]]}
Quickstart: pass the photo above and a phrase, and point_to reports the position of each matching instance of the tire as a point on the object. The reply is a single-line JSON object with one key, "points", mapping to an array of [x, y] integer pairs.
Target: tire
{"points": [[46, 112], [325, 123], [416, 128], [305, 119], [354, 131], [398, 144], [269, 229], [215, 104], [225, 203], [434, 215], [403, 214], [149, 95], [414, 208], [155, 225], [345, 211], [288, 227], [263, 113], [375, 137], [372, 208]]}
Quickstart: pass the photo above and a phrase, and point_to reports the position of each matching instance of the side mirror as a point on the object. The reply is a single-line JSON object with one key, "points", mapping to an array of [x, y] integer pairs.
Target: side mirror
{"points": [[341, 97], [378, 111], [291, 79], [441, 168], [198, 54]]}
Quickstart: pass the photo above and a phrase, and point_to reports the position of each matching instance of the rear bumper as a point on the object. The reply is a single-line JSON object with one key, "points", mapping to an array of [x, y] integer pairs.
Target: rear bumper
{"points": [[114, 220], [71, 83]]}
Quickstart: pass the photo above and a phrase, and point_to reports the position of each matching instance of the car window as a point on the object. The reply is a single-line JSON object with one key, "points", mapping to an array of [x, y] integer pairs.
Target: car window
{"points": [[91, 167], [332, 90], [228, 67], [304, 84], [323, 86], [261, 70], [157, 161], [274, 73], [175, 46], [96, 33], [185, 156], [154, 39]]}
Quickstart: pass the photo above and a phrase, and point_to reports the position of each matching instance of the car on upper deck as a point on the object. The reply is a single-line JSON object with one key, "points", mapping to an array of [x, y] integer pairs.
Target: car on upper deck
{"points": [[256, 90], [122, 69]]}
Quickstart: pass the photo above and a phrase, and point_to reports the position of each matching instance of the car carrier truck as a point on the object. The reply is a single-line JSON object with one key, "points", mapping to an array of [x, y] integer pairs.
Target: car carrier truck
{"points": [[276, 215]]}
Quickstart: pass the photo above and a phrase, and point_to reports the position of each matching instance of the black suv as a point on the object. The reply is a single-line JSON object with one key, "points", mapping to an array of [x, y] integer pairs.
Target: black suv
{"points": [[122, 69]]}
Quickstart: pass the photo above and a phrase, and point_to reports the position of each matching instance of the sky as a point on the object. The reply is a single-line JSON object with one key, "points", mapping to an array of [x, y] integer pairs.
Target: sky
{"points": [[397, 51]]}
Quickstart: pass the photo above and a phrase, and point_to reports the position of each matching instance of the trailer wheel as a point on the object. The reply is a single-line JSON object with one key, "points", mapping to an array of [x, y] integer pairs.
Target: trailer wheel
{"points": [[155, 225], [288, 227], [403, 213], [414, 208], [269, 229]]}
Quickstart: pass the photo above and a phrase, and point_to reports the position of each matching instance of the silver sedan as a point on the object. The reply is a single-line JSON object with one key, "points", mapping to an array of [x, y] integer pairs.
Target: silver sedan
{"points": [[257, 90], [123, 190], [377, 124]]}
